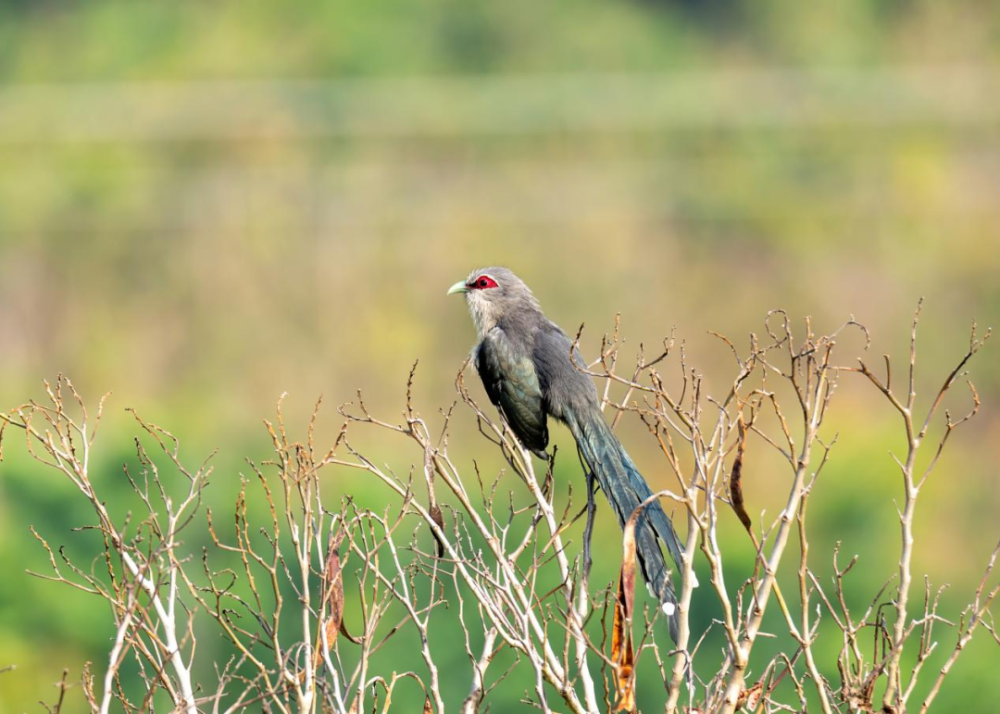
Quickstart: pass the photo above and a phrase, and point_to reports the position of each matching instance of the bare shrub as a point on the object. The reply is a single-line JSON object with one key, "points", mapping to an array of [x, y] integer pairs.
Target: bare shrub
{"points": [[309, 597]]}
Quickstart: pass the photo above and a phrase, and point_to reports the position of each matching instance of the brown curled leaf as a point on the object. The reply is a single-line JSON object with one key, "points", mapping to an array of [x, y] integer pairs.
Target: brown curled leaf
{"points": [[736, 480], [332, 596], [622, 650], [333, 581], [749, 698], [438, 518]]}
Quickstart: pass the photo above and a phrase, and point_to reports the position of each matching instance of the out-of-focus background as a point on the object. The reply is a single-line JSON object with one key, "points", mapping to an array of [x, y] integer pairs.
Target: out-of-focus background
{"points": [[204, 205]]}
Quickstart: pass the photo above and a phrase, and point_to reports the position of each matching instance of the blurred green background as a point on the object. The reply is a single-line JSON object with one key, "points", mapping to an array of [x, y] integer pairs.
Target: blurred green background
{"points": [[204, 205]]}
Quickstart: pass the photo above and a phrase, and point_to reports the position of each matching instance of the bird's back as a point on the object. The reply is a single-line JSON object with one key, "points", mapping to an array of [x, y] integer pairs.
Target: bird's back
{"points": [[564, 386]]}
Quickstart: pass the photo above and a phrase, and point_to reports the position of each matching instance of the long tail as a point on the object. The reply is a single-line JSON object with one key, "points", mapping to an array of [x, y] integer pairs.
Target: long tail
{"points": [[625, 489]]}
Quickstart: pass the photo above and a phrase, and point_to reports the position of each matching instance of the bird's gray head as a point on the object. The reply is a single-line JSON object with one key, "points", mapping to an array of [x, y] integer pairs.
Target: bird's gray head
{"points": [[493, 294]]}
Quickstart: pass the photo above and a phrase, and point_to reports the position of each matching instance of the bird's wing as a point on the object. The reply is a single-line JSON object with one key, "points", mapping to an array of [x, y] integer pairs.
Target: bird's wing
{"points": [[511, 382]]}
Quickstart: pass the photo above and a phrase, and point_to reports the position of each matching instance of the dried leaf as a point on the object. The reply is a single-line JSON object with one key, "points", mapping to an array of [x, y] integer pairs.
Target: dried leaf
{"points": [[736, 480], [333, 578], [749, 698], [437, 517], [622, 650], [427, 705], [332, 596]]}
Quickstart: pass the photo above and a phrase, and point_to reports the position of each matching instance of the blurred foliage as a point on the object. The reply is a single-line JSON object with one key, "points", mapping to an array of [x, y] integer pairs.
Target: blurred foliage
{"points": [[199, 267]]}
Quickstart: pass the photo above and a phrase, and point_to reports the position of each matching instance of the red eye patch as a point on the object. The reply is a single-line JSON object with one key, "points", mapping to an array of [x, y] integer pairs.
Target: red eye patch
{"points": [[483, 282]]}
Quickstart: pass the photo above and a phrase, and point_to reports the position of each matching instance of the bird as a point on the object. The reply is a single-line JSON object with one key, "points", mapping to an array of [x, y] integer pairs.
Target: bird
{"points": [[524, 361]]}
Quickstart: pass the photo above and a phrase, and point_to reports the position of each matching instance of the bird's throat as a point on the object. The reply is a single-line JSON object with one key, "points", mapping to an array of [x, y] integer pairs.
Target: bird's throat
{"points": [[484, 314]]}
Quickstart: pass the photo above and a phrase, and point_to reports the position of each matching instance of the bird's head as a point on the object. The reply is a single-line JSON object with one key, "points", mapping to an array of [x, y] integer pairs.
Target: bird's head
{"points": [[493, 294]]}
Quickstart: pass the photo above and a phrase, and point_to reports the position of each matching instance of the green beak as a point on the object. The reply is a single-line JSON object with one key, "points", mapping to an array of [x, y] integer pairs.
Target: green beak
{"points": [[458, 287]]}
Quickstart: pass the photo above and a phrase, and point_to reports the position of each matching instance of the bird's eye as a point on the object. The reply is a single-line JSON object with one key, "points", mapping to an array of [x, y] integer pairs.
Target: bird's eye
{"points": [[483, 282]]}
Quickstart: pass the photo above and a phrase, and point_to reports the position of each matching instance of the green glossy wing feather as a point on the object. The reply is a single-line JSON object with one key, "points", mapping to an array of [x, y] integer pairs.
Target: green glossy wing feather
{"points": [[512, 385]]}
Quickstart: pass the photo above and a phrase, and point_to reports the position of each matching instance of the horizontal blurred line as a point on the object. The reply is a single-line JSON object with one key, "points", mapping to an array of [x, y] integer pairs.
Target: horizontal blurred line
{"points": [[500, 105], [376, 191], [950, 226]]}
